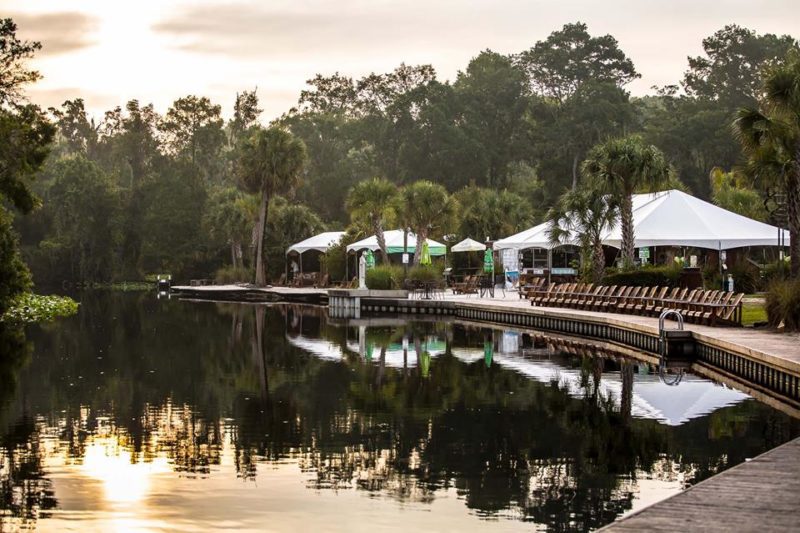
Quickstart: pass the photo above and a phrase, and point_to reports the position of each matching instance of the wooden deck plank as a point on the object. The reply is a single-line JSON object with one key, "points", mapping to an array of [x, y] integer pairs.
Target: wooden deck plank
{"points": [[761, 495]]}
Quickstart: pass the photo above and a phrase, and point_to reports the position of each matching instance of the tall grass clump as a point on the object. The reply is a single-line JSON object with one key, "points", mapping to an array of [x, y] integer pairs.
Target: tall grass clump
{"points": [[783, 304], [231, 274], [384, 277]]}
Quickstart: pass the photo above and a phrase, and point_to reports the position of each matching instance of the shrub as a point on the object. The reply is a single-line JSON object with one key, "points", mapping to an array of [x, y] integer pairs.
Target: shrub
{"points": [[425, 273], [230, 274], [384, 277], [776, 271], [649, 276], [783, 304], [746, 277]]}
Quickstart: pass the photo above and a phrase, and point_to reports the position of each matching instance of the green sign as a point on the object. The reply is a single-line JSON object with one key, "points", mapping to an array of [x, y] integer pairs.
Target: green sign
{"points": [[644, 253]]}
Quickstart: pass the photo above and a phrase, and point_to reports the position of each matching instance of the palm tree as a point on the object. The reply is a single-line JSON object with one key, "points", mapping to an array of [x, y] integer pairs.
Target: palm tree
{"points": [[370, 204], [270, 163], [620, 167], [770, 139], [426, 206], [584, 215]]}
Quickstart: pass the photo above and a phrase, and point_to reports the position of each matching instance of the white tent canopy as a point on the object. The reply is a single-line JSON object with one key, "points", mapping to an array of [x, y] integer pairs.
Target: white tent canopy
{"points": [[674, 218], [320, 242], [394, 243], [535, 237], [671, 218], [468, 245]]}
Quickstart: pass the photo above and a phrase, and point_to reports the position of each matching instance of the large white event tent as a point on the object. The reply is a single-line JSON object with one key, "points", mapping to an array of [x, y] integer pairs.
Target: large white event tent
{"points": [[394, 244], [321, 243], [671, 218], [674, 218]]}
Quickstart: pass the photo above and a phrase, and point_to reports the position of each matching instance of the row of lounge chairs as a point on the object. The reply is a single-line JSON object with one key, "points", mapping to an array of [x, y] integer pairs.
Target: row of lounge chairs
{"points": [[711, 307]]}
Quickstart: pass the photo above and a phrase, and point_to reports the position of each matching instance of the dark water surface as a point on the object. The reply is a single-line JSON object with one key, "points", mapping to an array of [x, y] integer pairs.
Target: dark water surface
{"points": [[141, 414]]}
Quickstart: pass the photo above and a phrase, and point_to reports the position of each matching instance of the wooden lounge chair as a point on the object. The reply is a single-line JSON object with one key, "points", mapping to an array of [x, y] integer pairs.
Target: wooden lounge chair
{"points": [[731, 314], [630, 300], [597, 303], [589, 302], [709, 312], [555, 299], [647, 305], [612, 301], [545, 292], [706, 300], [582, 291]]}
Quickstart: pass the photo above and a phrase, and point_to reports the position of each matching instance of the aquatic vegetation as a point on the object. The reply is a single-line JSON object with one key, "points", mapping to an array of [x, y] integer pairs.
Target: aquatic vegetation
{"points": [[30, 307]]}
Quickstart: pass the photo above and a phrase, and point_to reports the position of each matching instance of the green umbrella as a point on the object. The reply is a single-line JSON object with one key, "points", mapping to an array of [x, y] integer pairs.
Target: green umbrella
{"points": [[425, 363], [425, 257], [488, 261], [488, 353], [370, 259]]}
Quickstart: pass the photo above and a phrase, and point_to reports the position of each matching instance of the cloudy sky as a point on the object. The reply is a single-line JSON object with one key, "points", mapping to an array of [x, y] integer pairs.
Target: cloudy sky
{"points": [[109, 51]]}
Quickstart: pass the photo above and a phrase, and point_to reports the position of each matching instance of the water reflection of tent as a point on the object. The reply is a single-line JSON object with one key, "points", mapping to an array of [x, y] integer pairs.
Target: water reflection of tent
{"points": [[321, 348], [652, 399], [394, 352]]}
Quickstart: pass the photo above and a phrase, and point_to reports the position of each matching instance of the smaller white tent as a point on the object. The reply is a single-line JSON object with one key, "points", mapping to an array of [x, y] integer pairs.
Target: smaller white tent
{"points": [[468, 245], [320, 242], [535, 237], [674, 218], [394, 244]]}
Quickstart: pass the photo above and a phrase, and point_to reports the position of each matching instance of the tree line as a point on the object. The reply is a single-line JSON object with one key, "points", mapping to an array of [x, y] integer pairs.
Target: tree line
{"points": [[188, 192]]}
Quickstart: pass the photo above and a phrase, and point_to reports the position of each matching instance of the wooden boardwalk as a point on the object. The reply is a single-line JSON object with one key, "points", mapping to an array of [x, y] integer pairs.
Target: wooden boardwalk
{"points": [[761, 495]]}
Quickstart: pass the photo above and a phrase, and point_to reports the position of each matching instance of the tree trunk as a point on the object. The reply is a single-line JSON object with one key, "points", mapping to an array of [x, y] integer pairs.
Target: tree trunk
{"points": [[626, 406], [598, 261], [233, 254], [239, 255], [378, 229], [261, 274], [257, 344], [793, 210], [626, 221], [574, 171]]}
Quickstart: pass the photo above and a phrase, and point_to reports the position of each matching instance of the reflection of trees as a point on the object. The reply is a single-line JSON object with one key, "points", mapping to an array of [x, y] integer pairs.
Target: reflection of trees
{"points": [[25, 493], [191, 382]]}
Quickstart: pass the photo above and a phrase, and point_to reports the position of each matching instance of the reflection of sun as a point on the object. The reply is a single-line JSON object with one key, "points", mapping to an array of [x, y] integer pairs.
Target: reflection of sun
{"points": [[123, 479]]}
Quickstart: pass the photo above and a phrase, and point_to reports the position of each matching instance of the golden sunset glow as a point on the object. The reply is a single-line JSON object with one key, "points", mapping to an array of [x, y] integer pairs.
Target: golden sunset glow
{"points": [[124, 480], [109, 52]]}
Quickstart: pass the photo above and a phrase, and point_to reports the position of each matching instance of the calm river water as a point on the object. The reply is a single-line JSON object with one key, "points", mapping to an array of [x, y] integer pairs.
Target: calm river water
{"points": [[146, 414]]}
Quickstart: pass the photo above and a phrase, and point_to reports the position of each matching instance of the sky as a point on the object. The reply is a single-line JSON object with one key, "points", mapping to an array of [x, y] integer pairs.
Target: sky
{"points": [[111, 51]]}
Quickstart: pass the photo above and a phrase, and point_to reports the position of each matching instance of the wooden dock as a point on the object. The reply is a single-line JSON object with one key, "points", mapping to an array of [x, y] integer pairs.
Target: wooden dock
{"points": [[761, 495]]}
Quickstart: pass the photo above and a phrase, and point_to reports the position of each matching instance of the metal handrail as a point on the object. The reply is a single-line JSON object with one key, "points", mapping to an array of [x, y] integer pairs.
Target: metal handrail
{"points": [[662, 333], [663, 316]]}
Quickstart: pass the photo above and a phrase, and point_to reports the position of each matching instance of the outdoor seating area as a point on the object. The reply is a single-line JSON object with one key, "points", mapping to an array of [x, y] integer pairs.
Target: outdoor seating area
{"points": [[708, 307], [433, 289]]}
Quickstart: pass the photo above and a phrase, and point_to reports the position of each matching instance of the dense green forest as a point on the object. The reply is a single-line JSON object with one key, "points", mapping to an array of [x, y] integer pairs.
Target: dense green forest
{"points": [[137, 192]]}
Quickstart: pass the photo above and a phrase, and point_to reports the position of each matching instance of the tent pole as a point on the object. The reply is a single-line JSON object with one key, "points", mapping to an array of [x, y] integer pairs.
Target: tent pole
{"points": [[549, 264], [301, 261], [286, 268]]}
